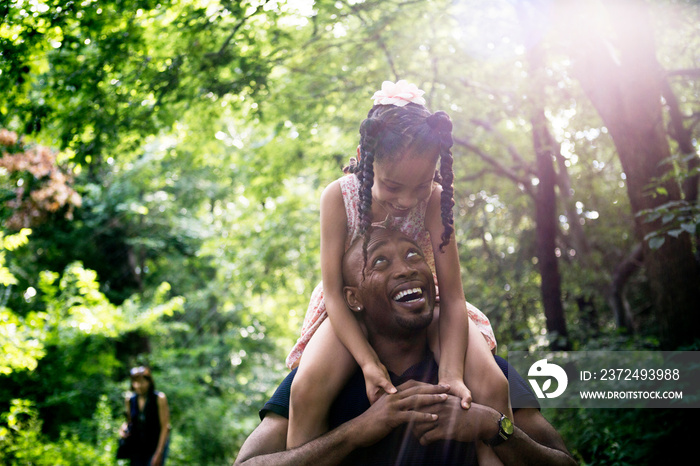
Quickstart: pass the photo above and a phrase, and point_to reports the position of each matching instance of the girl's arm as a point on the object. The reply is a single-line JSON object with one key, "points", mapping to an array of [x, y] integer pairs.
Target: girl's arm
{"points": [[128, 409], [345, 325], [125, 425], [164, 417], [453, 320]]}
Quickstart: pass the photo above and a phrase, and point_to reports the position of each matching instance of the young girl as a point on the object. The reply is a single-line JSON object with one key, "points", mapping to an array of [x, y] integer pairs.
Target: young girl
{"points": [[395, 179]]}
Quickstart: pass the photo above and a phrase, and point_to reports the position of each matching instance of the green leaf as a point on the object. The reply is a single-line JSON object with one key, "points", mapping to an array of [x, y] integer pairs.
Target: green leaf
{"points": [[668, 217], [656, 242], [689, 227]]}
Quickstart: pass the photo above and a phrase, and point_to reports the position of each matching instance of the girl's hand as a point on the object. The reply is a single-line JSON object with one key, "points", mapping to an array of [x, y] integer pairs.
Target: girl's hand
{"points": [[460, 390], [377, 381]]}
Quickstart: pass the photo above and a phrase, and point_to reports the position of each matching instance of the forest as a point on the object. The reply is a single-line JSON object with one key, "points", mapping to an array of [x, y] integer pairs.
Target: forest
{"points": [[162, 163]]}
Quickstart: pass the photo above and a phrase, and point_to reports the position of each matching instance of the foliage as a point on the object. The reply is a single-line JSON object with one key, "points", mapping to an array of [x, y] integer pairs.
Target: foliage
{"points": [[178, 225], [677, 217], [614, 436], [22, 442]]}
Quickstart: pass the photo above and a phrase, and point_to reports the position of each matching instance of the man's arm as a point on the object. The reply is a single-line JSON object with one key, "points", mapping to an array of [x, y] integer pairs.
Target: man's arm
{"points": [[534, 440], [266, 445]]}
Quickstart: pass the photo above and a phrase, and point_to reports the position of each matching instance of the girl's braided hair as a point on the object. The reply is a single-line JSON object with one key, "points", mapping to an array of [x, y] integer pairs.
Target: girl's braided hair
{"points": [[390, 132]]}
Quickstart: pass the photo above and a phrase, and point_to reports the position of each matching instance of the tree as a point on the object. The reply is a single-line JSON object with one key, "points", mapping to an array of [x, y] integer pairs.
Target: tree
{"points": [[624, 80]]}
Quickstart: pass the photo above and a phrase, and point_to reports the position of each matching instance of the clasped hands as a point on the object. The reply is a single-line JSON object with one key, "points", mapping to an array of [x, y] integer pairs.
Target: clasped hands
{"points": [[432, 414]]}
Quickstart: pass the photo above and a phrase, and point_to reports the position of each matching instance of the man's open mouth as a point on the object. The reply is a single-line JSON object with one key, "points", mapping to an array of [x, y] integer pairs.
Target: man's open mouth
{"points": [[408, 296]]}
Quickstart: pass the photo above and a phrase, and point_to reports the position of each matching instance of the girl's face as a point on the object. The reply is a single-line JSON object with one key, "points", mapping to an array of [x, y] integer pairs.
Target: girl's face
{"points": [[399, 185], [140, 385]]}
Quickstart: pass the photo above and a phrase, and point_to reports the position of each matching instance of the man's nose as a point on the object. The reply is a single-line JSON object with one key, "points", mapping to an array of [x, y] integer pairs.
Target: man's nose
{"points": [[405, 269]]}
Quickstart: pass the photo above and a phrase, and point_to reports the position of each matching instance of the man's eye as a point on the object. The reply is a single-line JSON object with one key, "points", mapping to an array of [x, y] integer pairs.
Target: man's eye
{"points": [[413, 254], [378, 261]]}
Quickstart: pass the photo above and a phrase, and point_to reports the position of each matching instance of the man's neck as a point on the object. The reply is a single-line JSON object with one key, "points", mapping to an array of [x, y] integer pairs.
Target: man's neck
{"points": [[399, 354]]}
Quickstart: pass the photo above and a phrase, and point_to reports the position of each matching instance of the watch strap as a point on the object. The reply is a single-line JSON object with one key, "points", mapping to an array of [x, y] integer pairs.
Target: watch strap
{"points": [[503, 434]]}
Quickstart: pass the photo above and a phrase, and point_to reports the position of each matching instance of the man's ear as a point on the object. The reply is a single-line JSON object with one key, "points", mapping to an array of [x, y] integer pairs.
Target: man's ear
{"points": [[352, 299]]}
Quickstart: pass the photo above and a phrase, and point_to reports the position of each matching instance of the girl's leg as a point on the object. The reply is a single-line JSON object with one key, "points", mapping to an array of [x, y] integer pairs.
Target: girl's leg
{"points": [[488, 385], [482, 376], [324, 369]]}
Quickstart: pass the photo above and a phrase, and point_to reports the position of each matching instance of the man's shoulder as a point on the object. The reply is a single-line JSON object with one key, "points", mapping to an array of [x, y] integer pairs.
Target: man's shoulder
{"points": [[279, 402], [521, 395], [353, 399]]}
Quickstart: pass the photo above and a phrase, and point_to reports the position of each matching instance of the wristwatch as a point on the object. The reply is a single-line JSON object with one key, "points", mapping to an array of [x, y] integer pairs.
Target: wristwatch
{"points": [[505, 430]]}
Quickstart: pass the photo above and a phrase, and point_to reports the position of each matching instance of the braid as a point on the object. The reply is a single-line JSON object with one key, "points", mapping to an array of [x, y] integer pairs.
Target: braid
{"points": [[352, 166], [440, 122], [369, 136], [447, 201], [390, 133]]}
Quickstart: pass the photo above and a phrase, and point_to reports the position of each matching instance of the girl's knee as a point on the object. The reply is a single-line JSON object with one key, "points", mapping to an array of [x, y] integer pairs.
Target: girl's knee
{"points": [[307, 389]]}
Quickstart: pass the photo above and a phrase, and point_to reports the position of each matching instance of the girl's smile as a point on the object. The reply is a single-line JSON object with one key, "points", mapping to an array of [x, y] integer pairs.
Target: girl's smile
{"points": [[399, 185]]}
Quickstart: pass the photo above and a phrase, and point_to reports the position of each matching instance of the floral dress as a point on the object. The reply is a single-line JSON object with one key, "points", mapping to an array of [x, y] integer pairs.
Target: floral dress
{"points": [[413, 225]]}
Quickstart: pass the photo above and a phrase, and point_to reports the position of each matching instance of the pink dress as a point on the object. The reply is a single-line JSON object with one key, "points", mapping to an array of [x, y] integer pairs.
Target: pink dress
{"points": [[412, 225]]}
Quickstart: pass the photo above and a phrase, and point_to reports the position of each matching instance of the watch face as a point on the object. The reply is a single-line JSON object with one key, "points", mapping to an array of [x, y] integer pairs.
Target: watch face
{"points": [[507, 426]]}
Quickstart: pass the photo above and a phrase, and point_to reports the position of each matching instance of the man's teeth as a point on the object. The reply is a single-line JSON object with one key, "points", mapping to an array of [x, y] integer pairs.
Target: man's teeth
{"points": [[413, 291]]}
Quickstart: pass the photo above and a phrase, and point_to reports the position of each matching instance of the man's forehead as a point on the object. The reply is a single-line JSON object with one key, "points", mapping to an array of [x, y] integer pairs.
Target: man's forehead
{"points": [[381, 236]]}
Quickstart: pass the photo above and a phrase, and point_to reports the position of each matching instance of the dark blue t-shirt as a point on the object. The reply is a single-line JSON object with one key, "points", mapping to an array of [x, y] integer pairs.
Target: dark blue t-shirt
{"points": [[400, 447]]}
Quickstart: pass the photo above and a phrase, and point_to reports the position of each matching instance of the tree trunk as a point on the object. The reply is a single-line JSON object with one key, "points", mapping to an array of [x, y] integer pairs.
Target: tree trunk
{"points": [[546, 208], [616, 296], [626, 91]]}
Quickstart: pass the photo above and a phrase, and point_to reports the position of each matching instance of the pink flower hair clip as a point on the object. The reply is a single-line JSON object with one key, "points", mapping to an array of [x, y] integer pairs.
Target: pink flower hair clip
{"points": [[400, 93]]}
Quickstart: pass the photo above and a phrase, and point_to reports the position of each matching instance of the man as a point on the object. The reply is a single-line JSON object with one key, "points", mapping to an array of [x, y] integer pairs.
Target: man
{"points": [[420, 424]]}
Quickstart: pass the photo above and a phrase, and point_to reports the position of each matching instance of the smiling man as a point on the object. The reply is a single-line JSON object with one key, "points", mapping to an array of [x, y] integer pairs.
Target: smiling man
{"points": [[393, 293]]}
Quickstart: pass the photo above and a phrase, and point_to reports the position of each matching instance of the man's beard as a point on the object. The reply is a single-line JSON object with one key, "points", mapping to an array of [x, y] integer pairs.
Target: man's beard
{"points": [[416, 322]]}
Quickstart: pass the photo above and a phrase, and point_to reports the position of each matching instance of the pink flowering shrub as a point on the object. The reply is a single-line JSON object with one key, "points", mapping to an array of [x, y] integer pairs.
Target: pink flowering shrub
{"points": [[36, 185]]}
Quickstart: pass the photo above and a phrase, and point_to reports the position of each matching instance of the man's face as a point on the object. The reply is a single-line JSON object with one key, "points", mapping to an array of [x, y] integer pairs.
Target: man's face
{"points": [[398, 291]]}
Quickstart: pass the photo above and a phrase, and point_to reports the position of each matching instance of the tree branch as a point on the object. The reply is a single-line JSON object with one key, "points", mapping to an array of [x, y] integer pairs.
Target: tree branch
{"points": [[499, 168], [687, 72]]}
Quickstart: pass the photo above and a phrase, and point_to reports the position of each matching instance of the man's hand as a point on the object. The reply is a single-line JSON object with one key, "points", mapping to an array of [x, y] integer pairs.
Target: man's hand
{"points": [[415, 402], [377, 381], [455, 423]]}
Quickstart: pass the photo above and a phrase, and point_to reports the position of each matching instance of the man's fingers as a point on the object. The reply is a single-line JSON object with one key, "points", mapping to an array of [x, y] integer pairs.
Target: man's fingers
{"points": [[421, 400], [413, 387], [420, 428], [426, 438]]}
